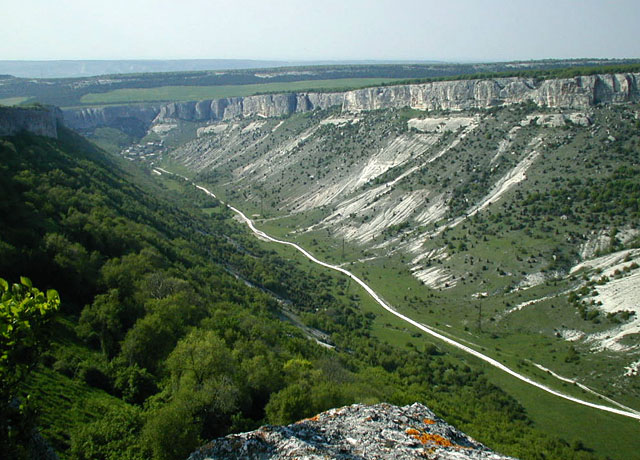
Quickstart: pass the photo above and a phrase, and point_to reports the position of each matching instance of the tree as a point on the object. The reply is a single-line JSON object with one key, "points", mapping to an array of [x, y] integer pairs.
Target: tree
{"points": [[103, 320], [152, 338], [170, 432], [205, 379], [200, 356], [24, 315]]}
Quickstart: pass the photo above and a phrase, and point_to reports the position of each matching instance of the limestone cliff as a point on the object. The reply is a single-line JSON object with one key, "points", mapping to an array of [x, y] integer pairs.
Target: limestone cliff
{"points": [[574, 93], [267, 105], [355, 432], [132, 119], [42, 121]]}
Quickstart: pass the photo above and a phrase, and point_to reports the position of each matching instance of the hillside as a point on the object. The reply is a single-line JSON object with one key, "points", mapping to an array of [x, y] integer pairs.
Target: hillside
{"points": [[513, 229], [473, 205], [176, 326]]}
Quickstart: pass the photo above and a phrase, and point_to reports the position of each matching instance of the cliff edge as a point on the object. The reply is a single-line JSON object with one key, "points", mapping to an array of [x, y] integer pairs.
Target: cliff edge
{"points": [[354, 432], [571, 93], [42, 121]]}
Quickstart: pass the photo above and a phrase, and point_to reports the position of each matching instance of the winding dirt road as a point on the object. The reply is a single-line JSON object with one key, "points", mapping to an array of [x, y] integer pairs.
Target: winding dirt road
{"points": [[627, 412]]}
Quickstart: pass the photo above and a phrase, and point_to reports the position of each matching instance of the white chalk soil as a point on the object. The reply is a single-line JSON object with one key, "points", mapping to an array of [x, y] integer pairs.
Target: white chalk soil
{"points": [[617, 290]]}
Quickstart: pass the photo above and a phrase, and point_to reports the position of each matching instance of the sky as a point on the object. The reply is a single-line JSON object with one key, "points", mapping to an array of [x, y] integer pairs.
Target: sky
{"points": [[447, 30]]}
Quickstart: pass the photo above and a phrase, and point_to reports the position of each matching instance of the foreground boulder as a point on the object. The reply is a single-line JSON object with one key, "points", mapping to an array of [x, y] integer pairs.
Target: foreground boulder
{"points": [[354, 432]]}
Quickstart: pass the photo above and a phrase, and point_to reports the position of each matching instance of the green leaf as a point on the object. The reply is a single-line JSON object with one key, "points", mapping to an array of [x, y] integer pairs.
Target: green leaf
{"points": [[52, 295], [26, 281], [4, 285]]}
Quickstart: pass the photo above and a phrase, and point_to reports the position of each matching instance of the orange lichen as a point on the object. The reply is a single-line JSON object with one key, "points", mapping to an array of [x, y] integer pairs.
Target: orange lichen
{"points": [[428, 438], [310, 419], [428, 421], [436, 439]]}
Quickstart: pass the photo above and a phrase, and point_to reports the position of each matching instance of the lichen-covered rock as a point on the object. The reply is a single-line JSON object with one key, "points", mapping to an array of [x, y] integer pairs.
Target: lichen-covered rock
{"points": [[354, 432]]}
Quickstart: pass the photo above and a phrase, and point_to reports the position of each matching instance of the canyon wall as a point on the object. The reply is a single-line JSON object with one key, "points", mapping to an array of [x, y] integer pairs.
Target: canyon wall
{"points": [[42, 121], [575, 93]]}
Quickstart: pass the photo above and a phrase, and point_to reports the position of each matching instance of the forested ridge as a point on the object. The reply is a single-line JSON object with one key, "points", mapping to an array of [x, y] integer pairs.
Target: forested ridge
{"points": [[161, 342]]}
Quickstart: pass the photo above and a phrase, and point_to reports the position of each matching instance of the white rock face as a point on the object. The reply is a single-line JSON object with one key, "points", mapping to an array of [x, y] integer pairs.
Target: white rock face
{"points": [[574, 93], [617, 289], [555, 120], [438, 124], [217, 128], [577, 93], [163, 128], [355, 432]]}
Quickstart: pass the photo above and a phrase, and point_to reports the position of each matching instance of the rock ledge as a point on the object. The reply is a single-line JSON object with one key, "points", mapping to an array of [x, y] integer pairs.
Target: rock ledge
{"points": [[354, 432]]}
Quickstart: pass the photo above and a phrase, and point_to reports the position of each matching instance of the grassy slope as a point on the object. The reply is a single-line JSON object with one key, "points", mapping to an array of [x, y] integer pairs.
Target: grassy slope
{"points": [[72, 400], [606, 433], [13, 100]]}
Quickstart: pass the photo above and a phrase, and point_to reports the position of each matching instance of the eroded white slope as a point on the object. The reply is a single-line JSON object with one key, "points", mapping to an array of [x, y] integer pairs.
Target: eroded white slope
{"points": [[509, 180], [627, 412], [338, 187], [616, 284], [388, 209]]}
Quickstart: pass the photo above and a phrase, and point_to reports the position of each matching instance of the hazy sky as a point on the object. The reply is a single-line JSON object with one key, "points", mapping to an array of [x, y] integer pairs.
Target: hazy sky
{"points": [[319, 29]]}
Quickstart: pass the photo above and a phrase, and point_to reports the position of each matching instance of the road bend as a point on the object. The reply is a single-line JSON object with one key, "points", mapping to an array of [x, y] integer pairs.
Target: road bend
{"points": [[626, 412]]}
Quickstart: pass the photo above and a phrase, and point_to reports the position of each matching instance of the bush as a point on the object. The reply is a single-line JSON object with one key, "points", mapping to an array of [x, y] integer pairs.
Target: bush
{"points": [[134, 384], [95, 377], [115, 436]]}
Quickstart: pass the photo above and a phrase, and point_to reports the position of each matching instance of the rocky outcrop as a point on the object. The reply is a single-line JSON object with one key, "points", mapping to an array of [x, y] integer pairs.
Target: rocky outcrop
{"points": [[575, 93], [42, 121], [267, 105], [133, 118], [355, 432]]}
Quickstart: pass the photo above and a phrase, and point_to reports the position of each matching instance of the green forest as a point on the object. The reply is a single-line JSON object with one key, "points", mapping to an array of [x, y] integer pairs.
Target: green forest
{"points": [[139, 320]]}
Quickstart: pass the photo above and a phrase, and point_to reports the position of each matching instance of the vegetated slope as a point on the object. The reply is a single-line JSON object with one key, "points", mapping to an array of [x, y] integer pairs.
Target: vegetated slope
{"points": [[516, 226], [163, 343]]}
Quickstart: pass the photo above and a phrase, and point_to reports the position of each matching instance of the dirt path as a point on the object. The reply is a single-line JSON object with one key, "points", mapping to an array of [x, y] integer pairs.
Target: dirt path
{"points": [[627, 413]]}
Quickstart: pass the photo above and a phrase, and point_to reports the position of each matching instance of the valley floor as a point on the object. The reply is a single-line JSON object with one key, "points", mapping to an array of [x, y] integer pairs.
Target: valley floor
{"points": [[624, 410]]}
